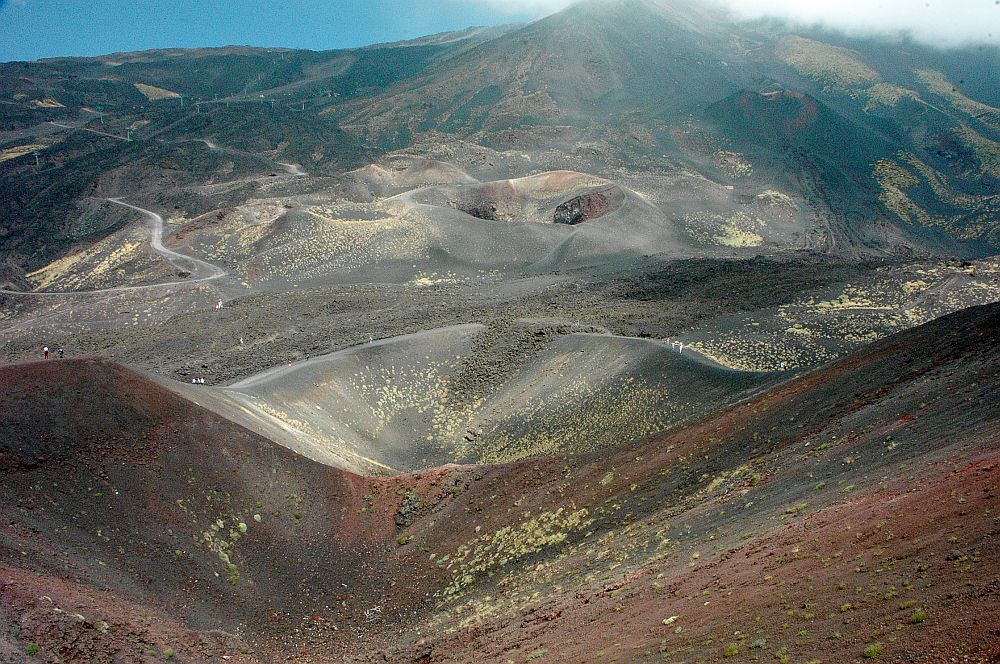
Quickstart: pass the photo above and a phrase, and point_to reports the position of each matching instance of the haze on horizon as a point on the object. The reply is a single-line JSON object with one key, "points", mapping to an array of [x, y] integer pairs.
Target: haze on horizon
{"points": [[938, 22], [32, 29]]}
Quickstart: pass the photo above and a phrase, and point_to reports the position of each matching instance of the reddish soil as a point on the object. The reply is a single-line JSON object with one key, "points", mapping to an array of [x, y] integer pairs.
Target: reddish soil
{"points": [[870, 483], [853, 508], [111, 482]]}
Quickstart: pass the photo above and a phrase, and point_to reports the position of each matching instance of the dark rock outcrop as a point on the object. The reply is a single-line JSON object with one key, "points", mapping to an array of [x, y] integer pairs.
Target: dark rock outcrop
{"points": [[592, 205]]}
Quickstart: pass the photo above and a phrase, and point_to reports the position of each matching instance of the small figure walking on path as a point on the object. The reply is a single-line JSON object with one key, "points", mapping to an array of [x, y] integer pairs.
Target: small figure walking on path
{"points": [[218, 305], [45, 352], [62, 352]]}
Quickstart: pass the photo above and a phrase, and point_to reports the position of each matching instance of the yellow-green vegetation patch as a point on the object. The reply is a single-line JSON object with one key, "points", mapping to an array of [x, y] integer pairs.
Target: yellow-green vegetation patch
{"points": [[154, 93], [840, 66], [122, 258], [726, 480], [423, 279], [893, 179], [987, 151], [216, 539], [937, 83], [887, 94], [19, 151], [490, 552], [391, 391], [623, 409], [329, 243], [941, 186], [737, 229], [798, 329], [915, 286], [888, 172], [978, 219], [775, 198], [733, 164], [818, 328], [264, 242], [45, 102], [853, 297], [735, 236]]}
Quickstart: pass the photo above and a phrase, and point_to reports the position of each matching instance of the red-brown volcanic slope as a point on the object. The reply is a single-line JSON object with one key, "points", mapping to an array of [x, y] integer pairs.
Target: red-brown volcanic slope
{"points": [[110, 485], [855, 506]]}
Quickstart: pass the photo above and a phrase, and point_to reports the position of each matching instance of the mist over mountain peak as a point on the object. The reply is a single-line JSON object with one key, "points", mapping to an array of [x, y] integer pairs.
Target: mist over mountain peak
{"points": [[596, 337]]}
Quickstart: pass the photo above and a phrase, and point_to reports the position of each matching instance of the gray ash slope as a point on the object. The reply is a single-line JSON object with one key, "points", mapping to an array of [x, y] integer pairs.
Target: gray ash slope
{"points": [[640, 85], [469, 394]]}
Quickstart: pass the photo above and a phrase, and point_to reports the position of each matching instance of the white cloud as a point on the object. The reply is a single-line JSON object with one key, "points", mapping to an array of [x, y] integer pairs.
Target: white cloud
{"points": [[945, 22]]}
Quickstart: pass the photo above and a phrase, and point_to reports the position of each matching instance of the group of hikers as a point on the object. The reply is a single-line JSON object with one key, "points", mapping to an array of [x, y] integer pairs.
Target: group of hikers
{"points": [[198, 381], [61, 353]]}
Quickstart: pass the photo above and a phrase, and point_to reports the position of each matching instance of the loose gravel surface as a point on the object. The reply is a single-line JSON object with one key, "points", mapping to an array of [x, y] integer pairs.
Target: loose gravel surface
{"points": [[657, 298]]}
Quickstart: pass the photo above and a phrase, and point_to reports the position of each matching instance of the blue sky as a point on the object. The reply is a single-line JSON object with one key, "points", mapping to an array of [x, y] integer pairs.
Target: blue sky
{"points": [[31, 29]]}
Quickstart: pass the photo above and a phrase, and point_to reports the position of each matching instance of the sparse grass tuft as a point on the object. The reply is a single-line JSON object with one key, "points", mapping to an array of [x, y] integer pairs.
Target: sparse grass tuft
{"points": [[918, 616], [732, 650], [31, 650], [874, 651]]}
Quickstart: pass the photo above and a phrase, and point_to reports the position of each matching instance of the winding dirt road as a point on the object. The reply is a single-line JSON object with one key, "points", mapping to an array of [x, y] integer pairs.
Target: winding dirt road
{"points": [[200, 270], [291, 169], [280, 371], [92, 131]]}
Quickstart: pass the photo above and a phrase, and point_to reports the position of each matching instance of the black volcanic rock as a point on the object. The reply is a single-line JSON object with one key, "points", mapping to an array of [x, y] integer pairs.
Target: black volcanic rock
{"points": [[592, 205]]}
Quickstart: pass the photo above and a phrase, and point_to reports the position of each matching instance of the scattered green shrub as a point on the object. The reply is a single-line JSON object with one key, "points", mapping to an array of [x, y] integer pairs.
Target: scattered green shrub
{"points": [[874, 651]]}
